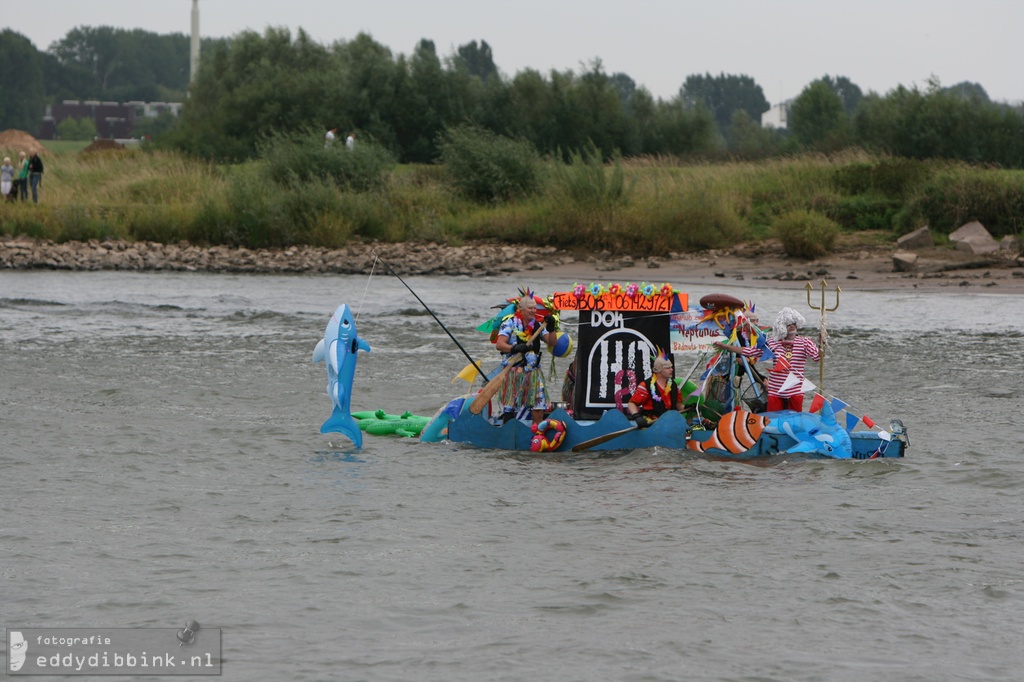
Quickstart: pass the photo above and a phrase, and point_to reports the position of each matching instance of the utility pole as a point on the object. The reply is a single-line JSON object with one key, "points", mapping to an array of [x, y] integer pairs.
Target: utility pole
{"points": [[194, 46]]}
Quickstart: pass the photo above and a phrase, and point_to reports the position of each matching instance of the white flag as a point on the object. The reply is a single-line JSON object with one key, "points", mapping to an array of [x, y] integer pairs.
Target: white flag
{"points": [[791, 381]]}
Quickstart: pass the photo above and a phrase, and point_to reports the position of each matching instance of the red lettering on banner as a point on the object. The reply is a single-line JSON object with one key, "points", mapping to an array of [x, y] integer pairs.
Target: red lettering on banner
{"points": [[566, 300]]}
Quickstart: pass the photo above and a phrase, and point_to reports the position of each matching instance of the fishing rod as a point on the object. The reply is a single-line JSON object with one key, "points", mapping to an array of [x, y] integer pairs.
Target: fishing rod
{"points": [[464, 352]]}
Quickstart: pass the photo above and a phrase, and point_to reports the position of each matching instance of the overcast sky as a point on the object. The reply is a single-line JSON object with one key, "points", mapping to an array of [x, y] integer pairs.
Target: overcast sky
{"points": [[782, 44]]}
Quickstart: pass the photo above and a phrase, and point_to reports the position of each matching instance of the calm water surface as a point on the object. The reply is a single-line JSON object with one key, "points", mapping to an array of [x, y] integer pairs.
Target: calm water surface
{"points": [[162, 461]]}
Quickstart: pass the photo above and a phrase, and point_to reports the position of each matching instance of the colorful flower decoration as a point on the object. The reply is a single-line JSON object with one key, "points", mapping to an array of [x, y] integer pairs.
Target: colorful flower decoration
{"points": [[632, 290]]}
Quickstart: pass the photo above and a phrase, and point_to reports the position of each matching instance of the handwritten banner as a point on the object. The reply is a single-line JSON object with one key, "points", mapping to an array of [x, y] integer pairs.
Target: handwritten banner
{"points": [[567, 300], [693, 330]]}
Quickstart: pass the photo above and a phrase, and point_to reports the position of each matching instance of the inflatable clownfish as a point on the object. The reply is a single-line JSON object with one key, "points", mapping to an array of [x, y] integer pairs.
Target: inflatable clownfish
{"points": [[736, 433]]}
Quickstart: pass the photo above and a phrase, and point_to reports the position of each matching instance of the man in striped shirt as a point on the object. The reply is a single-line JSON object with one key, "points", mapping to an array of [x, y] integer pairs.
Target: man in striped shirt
{"points": [[791, 355]]}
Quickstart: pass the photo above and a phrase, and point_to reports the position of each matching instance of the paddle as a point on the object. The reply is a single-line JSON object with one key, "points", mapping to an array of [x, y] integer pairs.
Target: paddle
{"points": [[488, 391], [587, 444]]}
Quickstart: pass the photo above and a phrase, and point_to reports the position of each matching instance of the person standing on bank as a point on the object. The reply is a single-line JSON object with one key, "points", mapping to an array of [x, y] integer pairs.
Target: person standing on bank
{"points": [[791, 352], [524, 384], [350, 141], [22, 179], [6, 178], [656, 395], [35, 175]]}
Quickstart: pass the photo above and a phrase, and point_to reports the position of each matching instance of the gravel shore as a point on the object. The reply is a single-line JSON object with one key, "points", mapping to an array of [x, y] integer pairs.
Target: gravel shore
{"points": [[854, 268]]}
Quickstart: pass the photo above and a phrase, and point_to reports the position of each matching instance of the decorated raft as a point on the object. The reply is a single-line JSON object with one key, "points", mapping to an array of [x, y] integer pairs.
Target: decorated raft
{"points": [[619, 329]]}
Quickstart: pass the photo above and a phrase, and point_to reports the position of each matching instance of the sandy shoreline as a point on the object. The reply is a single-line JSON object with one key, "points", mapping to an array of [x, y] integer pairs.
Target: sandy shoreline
{"points": [[853, 268], [859, 271]]}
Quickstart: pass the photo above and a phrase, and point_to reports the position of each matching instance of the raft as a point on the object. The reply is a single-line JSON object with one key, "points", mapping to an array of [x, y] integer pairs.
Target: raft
{"points": [[380, 423]]}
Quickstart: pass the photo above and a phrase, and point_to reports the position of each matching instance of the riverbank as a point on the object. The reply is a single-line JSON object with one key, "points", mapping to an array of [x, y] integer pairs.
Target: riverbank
{"points": [[853, 267]]}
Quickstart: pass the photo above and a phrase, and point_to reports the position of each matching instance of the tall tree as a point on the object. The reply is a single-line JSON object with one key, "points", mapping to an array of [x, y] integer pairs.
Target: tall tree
{"points": [[817, 118], [21, 83], [748, 139], [723, 94], [941, 124], [424, 108], [259, 85], [365, 93], [116, 64], [684, 130], [479, 59], [968, 90], [848, 91]]}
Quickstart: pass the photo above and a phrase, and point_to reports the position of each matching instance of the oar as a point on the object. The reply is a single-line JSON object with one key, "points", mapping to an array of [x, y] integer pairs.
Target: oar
{"points": [[488, 391], [587, 444]]}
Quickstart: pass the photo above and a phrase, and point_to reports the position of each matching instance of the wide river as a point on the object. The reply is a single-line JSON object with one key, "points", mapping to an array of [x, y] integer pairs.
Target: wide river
{"points": [[161, 461]]}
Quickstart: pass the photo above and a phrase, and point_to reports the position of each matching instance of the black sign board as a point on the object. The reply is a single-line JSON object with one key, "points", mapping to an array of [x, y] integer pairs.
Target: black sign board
{"points": [[614, 354]]}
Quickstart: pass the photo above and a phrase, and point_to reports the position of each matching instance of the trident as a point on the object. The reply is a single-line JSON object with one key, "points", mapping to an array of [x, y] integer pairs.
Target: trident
{"points": [[822, 334]]}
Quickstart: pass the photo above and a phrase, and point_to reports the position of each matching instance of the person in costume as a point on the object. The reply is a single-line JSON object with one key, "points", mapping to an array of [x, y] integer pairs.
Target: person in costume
{"points": [[791, 352], [656, 395], [523, 386]]}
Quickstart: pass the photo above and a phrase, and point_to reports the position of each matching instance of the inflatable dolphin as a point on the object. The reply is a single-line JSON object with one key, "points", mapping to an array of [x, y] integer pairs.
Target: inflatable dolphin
{"points": [[813, 434], [338, 350]]}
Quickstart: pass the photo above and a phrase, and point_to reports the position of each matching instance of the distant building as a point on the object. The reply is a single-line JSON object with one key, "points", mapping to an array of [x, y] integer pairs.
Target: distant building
{"points": [[776, 117], [113, 120]]}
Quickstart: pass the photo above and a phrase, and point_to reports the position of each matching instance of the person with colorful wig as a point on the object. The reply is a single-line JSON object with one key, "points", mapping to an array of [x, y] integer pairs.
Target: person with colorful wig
{"points": [[656, 395], [791, 352], [519, 337]]}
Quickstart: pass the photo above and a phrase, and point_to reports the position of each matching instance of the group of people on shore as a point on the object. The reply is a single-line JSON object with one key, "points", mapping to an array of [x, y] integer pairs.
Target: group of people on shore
{"points": [[15, 181], [519, 341]]}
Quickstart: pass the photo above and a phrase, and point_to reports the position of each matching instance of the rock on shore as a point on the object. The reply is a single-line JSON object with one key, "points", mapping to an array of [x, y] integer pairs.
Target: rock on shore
{"points": [[405, 258]]}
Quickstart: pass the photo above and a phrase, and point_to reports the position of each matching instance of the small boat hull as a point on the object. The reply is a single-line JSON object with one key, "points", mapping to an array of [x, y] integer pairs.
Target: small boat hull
{"points": [[669, 431]]}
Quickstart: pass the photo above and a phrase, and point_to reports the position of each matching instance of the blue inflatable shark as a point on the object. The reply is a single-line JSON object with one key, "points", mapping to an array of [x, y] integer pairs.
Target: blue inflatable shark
{"points": [[338, 350], [813, 434]]}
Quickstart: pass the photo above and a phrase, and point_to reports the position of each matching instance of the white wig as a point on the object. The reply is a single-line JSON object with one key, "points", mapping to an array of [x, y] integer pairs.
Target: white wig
{"points": [[786, 317]]}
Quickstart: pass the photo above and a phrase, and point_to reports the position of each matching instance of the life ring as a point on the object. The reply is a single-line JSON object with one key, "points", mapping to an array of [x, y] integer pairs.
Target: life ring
{"points": [[548, 435], [716, 302]]}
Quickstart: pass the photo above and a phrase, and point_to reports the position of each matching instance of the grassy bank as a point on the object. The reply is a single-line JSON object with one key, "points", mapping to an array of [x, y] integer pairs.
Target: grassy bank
{"points": [[640, 206]]}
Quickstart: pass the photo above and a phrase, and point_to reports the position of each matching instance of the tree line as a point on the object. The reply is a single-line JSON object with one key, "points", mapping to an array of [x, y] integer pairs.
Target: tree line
{"points": [[254, 85]]}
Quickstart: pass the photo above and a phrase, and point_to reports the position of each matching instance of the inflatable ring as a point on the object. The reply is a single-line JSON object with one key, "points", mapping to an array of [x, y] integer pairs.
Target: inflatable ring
{"points": [[548, 435]]}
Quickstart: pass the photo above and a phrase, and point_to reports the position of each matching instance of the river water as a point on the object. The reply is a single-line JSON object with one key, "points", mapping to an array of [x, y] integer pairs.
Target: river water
{"points": [[161, 461]]}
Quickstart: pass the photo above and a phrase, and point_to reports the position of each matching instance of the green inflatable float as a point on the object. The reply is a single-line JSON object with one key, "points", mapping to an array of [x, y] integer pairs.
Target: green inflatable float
{"points": [[380, 423]]}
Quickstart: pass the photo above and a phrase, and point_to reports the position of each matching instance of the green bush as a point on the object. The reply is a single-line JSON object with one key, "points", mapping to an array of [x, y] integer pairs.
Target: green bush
{"points": [[805, 234], [864, 212], [995, 199], [259, 216], [585, 181], [76, 129], [300, 158], [487, 167], [693, 220], [892, 178]]}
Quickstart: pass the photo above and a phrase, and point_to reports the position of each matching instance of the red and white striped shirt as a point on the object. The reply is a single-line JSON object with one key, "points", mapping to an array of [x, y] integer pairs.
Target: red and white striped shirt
{"points": [[790, 358]]}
